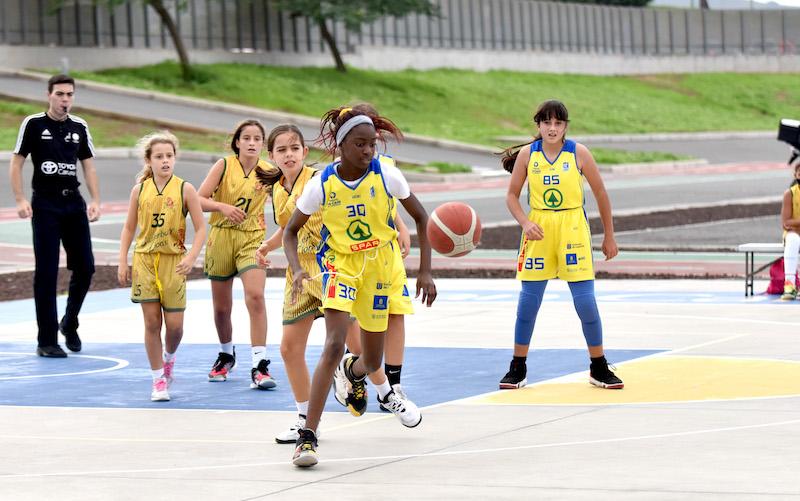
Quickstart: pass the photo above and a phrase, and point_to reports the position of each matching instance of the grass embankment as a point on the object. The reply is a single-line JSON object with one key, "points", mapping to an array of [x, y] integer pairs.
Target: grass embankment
{"points": [[106, 132], [478, 107]]}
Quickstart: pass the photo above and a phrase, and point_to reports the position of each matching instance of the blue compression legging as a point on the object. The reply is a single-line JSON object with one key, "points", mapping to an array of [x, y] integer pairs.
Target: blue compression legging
{"points": [[530, 298]]}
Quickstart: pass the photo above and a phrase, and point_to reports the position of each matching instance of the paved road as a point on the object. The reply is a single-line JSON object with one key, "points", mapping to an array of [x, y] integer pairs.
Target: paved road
{"points": [[630, 193], [219, 120]]}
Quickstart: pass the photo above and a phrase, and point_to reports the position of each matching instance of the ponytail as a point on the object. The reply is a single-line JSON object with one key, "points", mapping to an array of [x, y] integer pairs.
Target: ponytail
{"points": [[335, 118]]}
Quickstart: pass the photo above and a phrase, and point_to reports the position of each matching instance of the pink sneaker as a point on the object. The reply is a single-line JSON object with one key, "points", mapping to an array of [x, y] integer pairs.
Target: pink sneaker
{"points": [[169, 367], [159, 393]]}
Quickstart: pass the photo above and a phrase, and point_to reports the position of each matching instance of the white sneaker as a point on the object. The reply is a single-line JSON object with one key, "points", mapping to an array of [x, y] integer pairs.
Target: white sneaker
{"points": [[159, 393], [398, 388], [405, 410], [340, 382], [291, 435]]}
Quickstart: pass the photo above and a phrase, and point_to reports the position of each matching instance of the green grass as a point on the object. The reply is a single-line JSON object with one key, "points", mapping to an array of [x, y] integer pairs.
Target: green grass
{"points": [[478, 107], [607, 156], [111, 132], [106, 132]]}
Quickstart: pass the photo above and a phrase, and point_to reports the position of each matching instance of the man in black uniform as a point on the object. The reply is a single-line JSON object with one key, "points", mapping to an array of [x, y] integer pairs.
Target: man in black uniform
{"points": [[56, 141]]}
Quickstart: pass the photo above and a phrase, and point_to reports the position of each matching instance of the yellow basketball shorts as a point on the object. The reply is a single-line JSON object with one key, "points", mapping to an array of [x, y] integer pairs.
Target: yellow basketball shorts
{"points": [[154, 280], [230, 252], [400, 302], [361, 284], [310, 301], [565, 252]]}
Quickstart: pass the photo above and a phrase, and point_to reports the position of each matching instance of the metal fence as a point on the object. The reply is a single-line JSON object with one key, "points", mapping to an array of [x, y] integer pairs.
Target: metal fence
{"points": [[499, 25]]}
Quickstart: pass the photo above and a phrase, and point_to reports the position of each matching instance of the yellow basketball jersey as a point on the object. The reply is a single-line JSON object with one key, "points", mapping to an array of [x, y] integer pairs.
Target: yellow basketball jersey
{"points": [[283, 205], [795, 189], [162, 218], [556, 184], [241, 190], [358, 218]]}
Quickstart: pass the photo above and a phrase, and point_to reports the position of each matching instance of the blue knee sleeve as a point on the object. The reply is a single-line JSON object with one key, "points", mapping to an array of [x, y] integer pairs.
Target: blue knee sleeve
{"points": [[530, 298], [586, 307]]}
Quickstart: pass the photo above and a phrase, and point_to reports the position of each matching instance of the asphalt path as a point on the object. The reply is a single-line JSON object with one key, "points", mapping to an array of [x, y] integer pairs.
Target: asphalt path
{"points": [[630, 193], [220, 120]]}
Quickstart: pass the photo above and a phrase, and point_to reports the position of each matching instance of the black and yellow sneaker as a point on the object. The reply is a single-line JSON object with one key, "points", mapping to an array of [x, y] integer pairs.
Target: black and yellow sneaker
{"points": [[602, 377], [305, 451], [356, 399], [516, 377]]}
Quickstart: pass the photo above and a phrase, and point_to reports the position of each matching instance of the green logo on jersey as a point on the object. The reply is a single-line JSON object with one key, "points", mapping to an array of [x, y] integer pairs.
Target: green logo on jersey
{"points": [[359, 230], [553, 198]]}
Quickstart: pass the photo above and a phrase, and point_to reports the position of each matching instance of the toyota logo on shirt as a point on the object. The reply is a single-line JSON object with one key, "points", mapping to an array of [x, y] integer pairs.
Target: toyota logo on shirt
{"points": [[49, 167]]}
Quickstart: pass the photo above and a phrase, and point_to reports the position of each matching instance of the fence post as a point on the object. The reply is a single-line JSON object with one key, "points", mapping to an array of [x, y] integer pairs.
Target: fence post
{"points": [[722, 29], [741, 31], [703, 30]]}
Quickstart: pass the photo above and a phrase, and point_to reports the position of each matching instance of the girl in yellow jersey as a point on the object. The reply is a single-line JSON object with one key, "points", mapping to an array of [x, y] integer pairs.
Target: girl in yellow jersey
{"points": [[287, 150], [356, 198], [236, 200], [158, 204], [790, 221], [556, 242]]}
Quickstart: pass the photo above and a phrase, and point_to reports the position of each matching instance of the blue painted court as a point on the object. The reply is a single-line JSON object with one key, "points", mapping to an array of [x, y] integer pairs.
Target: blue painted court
{"points": [[117, 375]]}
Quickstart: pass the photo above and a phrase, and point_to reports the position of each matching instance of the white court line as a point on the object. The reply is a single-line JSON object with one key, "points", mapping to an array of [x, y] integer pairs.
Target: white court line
{"points": [[120, 364], [411, 456]]}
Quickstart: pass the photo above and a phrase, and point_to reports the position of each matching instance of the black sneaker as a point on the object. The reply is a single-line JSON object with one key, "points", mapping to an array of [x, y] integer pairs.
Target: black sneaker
{"points": [[73, 341], [602, 377], [54, 351], [222, 367], [305, 452], [515, 377], [260, 378], [356, 400]]}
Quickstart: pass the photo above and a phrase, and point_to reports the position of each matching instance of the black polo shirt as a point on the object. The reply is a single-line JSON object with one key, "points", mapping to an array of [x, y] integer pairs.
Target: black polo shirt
{"points": [[55, 149]]}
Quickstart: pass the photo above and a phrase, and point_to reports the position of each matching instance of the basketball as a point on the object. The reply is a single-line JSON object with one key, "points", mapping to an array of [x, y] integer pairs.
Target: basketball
{"points": [[454, 229]]}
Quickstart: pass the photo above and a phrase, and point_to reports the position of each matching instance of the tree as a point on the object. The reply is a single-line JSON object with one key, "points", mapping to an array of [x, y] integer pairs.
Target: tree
{"points": [[353, 13], [704, 4], [166, 19]]}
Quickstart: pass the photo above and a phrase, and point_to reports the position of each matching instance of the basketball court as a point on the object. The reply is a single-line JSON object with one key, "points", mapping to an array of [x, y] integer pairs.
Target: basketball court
{"points": [[710, 406]]}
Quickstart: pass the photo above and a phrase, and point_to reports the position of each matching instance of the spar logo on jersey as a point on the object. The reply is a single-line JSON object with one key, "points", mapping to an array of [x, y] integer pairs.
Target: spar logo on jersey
{"points": [[572, 259], [552, 198], [49, 167]]}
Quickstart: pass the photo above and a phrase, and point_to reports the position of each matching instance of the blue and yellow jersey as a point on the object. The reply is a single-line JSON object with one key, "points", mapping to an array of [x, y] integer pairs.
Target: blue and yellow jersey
{"points": [[241, 190], [284, 203], [162, 218], [556, 184], [795, 189], [358, 218]]}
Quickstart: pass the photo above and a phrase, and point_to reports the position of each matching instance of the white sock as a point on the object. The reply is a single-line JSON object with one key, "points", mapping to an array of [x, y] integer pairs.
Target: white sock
{"points": [[168, 357], [302, 407], [383, 389], [258, 353], [226, 348], [157, 373], [791, 248]]}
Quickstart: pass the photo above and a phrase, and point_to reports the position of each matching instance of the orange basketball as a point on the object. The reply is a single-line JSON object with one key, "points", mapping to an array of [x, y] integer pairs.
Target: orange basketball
{"points": [[454, 229]]}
